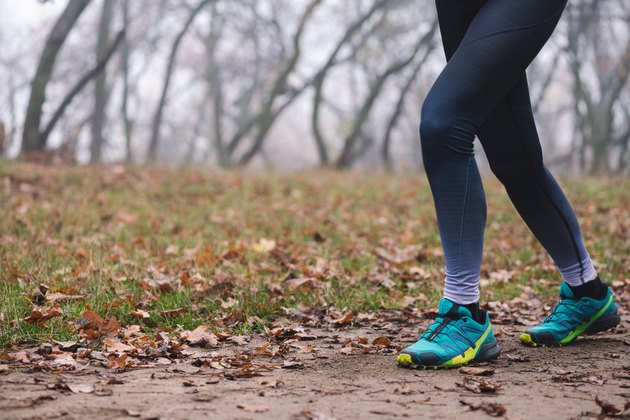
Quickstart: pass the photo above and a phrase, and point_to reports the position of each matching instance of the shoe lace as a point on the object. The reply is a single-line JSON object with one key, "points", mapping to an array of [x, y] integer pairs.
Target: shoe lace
{"points": [[438, 328], [569, 308]]}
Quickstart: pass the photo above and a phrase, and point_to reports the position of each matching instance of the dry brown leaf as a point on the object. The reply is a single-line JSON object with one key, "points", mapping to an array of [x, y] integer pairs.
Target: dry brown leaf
{"points": [[139, 313], [301, 284], [382, 341], [40, 315], [292, 364], [174, 312], [253, 408], [263, 349], [264, 245], [477, 371], [607, 408], [126, 218], [118, 362], [479, 386], [345, 319], [115, 346], [406, 389], [62, 297], [271, 383], [200, 337], [66, 345], [491, 409]]}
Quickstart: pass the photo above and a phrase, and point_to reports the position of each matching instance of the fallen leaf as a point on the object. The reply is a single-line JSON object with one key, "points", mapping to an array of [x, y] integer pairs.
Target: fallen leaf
{"points": [[253, 408], [81, 388], [263, 349], [345, 319], [40, 315], [292, 364], [275, 383], [174, 312], [62, 297], [517, 358], [66, 345], [479, 386], [139, 313], [119, 362], [476, 371], [301, 284], [103, 392], [314, 415], [115, 346], [406, 389], [126, 218], [608, 409], [382, 341], [200, 337], [491, 409], [264, 245]]}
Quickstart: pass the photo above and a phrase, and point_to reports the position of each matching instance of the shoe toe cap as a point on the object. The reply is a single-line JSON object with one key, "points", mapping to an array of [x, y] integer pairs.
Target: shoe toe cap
{"points": [[542, 336], [423, 358]]}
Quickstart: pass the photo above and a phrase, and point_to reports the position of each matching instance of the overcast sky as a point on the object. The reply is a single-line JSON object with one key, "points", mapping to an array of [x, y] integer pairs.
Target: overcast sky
{"points": [[28, 14]]}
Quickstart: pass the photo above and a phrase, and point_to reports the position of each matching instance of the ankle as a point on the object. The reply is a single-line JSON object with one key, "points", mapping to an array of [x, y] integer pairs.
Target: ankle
{"points": [[594, 289], [477, 314]]}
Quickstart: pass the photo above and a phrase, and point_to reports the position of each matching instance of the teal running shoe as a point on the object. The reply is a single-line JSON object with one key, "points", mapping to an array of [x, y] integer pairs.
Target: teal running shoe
{"points": [[454, 339], [573, 317]]}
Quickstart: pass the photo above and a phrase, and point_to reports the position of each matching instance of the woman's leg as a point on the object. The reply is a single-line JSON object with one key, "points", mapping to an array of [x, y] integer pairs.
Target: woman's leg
{"points": [[511, 143], [500, 42]]}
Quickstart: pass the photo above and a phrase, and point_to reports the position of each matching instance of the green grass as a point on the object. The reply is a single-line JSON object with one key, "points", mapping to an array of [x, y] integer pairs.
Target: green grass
{"points": [[106, 233]]}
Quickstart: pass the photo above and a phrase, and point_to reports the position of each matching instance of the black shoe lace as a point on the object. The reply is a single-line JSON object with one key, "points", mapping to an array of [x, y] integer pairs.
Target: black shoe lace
{"points": [[567, 307], [437, 328]]}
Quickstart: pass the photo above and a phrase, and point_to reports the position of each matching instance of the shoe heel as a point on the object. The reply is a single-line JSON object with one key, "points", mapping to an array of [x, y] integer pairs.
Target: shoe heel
{"points": [[488, 351], [604, 323]]}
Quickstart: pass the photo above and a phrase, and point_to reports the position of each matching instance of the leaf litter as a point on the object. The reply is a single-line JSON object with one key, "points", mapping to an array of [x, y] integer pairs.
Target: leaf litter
{"points": [[301, 294]]}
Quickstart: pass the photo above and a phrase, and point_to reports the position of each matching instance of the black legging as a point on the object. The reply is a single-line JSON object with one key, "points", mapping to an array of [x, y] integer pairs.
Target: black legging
{"points": [[483, 91]]}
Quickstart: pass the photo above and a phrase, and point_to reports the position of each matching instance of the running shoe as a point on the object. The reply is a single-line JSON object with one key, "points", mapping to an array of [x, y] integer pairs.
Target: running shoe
{"points": [[573, 317], [454, 339]]}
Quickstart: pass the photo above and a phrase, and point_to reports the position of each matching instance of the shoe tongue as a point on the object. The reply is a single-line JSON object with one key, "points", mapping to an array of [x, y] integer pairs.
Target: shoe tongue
{"points": [[566, 292], [446, 308]]}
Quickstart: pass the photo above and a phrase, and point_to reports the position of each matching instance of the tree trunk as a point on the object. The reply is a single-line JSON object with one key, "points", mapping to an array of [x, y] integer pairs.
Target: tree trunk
{"points": [[268, 115], [31, 140], [385, 151], [125, 99], [100, 94], [157, 118], [348, 153], [321, 76], [78, 87]]}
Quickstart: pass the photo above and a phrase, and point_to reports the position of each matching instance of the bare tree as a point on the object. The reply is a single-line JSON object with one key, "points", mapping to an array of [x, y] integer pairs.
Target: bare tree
{"points": [[100, 93], [31, 140], [398, 110], [270, 112], [349, 152], [78, 87], [596, 103], [157, 119], [125, 76], [321, 77]]}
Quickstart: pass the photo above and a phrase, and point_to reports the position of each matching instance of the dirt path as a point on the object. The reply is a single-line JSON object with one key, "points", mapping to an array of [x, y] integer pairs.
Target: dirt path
{"points": [[322, 382]]}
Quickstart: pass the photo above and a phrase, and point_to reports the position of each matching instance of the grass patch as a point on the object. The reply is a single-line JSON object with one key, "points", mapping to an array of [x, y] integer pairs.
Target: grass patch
{"points": [[222, 246]]}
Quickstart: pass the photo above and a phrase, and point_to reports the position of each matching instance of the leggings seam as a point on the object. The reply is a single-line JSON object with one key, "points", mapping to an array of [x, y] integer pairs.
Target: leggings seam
{"points": [[461, 235], [520, 28], [553, 204]]}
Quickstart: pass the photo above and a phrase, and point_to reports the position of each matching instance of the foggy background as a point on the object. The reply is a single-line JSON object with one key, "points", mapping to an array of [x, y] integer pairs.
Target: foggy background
{"points": [[281, 84]]}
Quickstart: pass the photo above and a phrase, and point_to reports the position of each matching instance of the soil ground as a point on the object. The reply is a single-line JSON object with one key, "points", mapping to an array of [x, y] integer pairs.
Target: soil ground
{"points": [[554, 383]]}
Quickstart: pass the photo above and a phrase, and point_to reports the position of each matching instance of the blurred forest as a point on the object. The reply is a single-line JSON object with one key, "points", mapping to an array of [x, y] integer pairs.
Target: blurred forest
{"points": [[283, 84]]}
